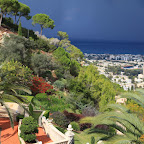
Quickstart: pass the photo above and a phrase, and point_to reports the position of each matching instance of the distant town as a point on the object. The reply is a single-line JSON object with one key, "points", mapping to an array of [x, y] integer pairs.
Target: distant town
{"points": [[127, 70]]}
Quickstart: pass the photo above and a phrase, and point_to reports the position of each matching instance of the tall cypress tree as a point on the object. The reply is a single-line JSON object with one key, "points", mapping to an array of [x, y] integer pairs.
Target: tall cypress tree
{"points": [[20, 29]]}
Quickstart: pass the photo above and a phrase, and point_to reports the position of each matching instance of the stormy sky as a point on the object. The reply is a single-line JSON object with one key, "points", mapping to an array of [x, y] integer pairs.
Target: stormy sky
{"points": [[108, 20]]}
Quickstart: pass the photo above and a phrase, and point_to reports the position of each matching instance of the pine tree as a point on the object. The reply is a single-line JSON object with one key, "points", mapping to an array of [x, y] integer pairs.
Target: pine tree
{"points": [[20, 29]]}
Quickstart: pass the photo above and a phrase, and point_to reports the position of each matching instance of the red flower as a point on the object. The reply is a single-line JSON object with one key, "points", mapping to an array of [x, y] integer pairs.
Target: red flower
{"points": [[39, 85]]}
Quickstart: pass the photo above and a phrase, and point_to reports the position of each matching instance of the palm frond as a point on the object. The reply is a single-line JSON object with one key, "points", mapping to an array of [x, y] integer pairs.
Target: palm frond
{"points": [[25, 89], [18, 102], [117, 107], [139, 99], [118, 139]]}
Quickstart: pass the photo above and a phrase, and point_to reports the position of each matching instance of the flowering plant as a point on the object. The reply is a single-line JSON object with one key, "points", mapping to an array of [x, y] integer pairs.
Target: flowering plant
{"points": [[39, 85]]}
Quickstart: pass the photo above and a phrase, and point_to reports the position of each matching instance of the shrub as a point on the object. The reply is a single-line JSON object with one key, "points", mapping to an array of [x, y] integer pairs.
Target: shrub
{"points": [[42, 97], [72, 116], [75, 126], [61, 129], [60, 119], [102, 127], [89, 111], [85, 126], [39, 85], [92, 140], [42, 44], [28, 129]]}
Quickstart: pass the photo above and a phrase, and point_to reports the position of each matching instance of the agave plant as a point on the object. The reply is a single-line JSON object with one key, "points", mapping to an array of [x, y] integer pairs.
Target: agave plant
{"points": [[8, 91], [130, 129]]}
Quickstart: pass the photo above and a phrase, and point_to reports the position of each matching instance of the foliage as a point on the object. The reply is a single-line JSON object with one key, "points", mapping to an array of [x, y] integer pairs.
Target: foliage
{"points": [[63, 61], [39, 85], [75, 126], [92, 140], [84, 126], [75, 53], [52, 103], [57, 103], [46, 114], [121, 119], [24, 11], [89, 111], [41, 97], [28, 129], [5, 6], [61, 129], [42, 44], [62, 35], [18, 117], [15, 73], [14, 9], [17, 48], [20, 29], [31, 109], [74, 68], [13, 77], [62, 57], [60, 119], [90, 87], [64, 43], [43, 20], [42, 65], [60, 84], [72, 116], [8, 23]]}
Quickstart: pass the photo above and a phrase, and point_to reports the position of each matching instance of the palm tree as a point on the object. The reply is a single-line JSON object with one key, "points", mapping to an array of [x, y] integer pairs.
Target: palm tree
{"points": [[8, 91], [121, 119]]}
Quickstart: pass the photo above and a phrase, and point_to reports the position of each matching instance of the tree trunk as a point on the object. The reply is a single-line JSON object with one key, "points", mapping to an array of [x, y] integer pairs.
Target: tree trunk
{"points": [[15, 20], [1, 19], [18, 19], [41, 30]]}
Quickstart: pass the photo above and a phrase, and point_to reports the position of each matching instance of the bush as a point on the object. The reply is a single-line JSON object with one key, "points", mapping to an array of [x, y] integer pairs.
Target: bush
{"points": [[42, 97], [72, 116], [60, 119], [61, 129], [85, 126], [89, 111], [75, 126], [92, 140], [28, 129], [42, 44], [39, 85], [102, 127], [18, 117]]}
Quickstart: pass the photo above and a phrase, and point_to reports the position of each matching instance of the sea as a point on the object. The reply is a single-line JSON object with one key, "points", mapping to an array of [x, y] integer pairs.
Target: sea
{"points": [[95, 47]]}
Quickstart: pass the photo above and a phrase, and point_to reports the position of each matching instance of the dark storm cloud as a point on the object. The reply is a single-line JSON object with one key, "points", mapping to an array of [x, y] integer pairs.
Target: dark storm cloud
{"points": [[93, 19]]}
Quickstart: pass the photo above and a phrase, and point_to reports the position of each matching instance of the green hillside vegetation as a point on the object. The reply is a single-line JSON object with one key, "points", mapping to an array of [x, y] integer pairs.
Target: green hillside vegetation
{"points": [[50, 71]]}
